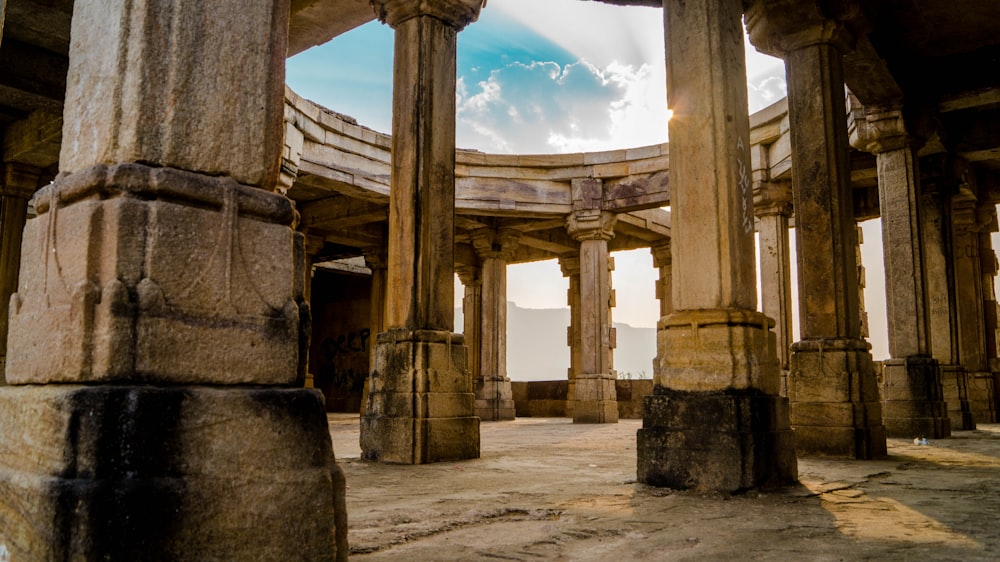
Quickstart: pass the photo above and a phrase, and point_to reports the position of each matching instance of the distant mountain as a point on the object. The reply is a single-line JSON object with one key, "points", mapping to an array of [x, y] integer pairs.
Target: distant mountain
{"points": [[537, 350]]}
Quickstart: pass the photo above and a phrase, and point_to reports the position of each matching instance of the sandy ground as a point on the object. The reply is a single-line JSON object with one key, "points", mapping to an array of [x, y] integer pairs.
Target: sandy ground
{"points": [[546, 489]]}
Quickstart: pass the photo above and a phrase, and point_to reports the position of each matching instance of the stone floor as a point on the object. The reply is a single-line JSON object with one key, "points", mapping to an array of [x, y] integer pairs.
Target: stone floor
{"points": [[546, 489]]}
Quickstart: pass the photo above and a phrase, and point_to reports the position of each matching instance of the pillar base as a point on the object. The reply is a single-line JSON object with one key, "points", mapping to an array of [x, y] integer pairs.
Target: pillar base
{"points": [[121, 472], [955, 390], [594, 399], [912, 400], [494, 400], [723, 441], [982, 403], [421, 407], [835, 407]]}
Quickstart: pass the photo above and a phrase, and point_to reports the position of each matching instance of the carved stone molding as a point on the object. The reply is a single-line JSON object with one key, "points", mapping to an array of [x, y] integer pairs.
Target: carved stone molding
{"points": [[591, 225], [456, 13]]}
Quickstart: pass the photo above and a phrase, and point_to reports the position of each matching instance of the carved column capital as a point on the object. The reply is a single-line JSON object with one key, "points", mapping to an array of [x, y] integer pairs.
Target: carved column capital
{"points": [[570, 265], [19, 180], [882, 129], [779, 26], [591, 224], [772, 198], [313, 244], [470, 275], [495, 243], [376, 257], [456, 13], [662, 253]]}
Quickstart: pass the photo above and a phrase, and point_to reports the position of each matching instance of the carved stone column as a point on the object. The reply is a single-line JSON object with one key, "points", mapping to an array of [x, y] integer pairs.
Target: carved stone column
{"points": [[312, 247], [570, 266], [912, 399], [376, 258], [495, 248], [420, 406], [715, 420], [160, 310], [984, 385], [594, 392], [17, 185], [773, 205], [663, 261], [472, 315], [832, 387]]}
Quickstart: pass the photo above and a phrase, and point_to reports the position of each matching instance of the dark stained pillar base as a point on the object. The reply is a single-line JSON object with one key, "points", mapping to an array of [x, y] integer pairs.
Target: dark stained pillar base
{"points": [[835, 407], [723, 441], [172, 473], [421, 405], [912, 399]]}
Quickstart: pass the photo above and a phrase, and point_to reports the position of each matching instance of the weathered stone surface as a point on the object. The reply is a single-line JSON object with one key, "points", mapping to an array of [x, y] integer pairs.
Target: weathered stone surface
{"points": [[724, 441], [913, 403], [126, 473], [154, 82], [982, 401], [421, 403], [132, 273], [955, 391]]}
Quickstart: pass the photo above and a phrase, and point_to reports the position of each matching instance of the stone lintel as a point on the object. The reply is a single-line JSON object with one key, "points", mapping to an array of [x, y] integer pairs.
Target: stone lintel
{"points": [[720, 440], [835, 403], [133, 273], [912, 401], [456, 13], [716, 350], [123, 472], [421, 401]]}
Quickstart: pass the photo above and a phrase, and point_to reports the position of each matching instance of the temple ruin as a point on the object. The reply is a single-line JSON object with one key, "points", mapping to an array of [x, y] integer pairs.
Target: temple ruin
{"points": [[165, 199]]}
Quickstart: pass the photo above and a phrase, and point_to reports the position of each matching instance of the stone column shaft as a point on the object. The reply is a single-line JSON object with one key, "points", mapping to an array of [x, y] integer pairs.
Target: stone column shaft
{"points": [[19, 183], [420, 406], [472, 315], [160, 309], [375, 259], [832, 387], [717, 366], [570, 266], [773, 206]]}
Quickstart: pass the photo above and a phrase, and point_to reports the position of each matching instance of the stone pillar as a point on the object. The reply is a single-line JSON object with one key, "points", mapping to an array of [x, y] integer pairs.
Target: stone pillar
{"points": [[984, 384], [772, 205], [17, 185], [159, 312], [570, 266], [376, 258], [832, 387], [594, 392], [912, 401], [472, 315], [495, 248], [420, 405], [715, 420], [970, 328], [663, 261], [312, 247]]}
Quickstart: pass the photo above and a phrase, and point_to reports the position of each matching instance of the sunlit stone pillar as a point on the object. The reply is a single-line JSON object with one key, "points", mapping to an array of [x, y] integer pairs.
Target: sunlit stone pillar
{"points": [[376, 258], [570, 266], [17, 185], [495, 248], [832, 387], [594, 392], [420, 405], [715, 420], [938, 260], [155, 336], [773, 205], [912, 399]]}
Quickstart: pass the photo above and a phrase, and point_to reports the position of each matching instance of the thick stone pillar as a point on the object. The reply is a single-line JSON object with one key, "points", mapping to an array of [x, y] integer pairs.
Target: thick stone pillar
{"points": [[832, 387], [495, 248], [159, 310], [420, 405], [773, 205], [570, 266], [715, 420], [17, 185], [970, 327], [376, 258], [594, 392], [912, 401]]}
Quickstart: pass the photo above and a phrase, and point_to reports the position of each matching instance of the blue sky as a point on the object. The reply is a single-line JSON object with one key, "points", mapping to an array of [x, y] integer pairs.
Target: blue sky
{"points": [[544, 77]]}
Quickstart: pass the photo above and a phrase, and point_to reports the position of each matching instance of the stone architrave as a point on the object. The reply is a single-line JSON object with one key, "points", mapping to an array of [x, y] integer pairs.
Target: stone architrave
{"points": [[715, 420], [912, 397], [772, 206], [832, 387], [570, 266], [941, 306], [159, 311], [17, 185], [421, 404], [495, 247], [594, 392]]}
